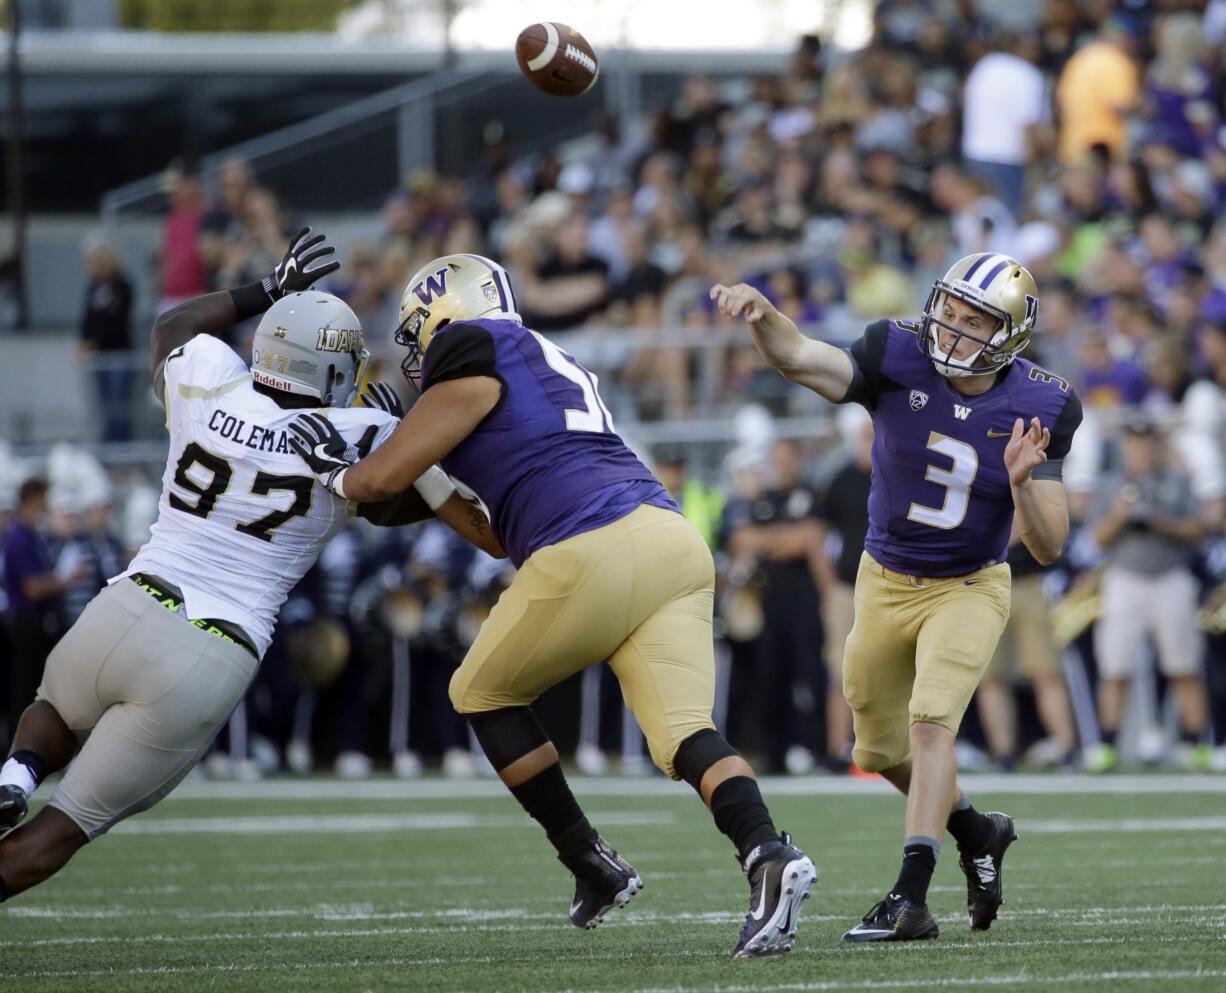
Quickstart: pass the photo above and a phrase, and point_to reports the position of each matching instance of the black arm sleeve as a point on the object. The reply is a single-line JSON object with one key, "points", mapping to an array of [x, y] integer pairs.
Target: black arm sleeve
{"points": [[867, 353], [403, 508], [460, 351], [1061, 440], [1066, 424]]}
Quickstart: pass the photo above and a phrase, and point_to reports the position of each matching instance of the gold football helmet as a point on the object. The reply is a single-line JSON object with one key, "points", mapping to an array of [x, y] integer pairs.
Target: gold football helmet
{"points": [[451, 288], [1003, 289]]}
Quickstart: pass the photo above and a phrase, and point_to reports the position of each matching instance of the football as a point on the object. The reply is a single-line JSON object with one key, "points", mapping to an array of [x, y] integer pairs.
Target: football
{"points": [[557, 59]]}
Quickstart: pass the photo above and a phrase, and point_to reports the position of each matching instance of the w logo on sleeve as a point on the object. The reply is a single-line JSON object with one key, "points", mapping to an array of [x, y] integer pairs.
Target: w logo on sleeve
{"points": [[431, 287]]}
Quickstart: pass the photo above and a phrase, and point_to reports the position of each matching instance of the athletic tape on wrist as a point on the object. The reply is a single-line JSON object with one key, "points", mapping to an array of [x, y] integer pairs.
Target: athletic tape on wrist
{"points": [[435, 487]]}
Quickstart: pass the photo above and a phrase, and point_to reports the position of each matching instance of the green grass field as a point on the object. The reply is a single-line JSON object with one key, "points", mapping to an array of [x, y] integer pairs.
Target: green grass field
{"points": [[433, 886]]}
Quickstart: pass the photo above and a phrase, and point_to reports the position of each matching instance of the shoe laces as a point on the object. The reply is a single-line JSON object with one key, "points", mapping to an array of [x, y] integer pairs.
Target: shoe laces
{"points": [[876, 910]]}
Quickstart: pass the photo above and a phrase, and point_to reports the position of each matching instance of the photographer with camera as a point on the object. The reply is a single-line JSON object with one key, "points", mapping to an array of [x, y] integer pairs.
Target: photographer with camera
{"points": [[1148, 524]]}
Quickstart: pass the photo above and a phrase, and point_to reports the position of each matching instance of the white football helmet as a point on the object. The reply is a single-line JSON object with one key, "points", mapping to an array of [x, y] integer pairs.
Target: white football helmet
{"points": [[1003, 289], [311, 344], [451, 288]]}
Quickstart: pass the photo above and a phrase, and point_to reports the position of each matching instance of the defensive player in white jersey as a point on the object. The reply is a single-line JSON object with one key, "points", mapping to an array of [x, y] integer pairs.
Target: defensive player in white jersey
{"points": [[141, 683]]}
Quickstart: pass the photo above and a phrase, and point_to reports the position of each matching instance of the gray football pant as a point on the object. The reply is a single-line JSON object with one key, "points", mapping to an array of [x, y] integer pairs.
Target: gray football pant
{"points": [[145, 692]]}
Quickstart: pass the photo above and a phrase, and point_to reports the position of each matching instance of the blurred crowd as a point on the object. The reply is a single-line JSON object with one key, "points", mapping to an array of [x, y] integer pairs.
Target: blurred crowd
{"points": [[1089, 142]]}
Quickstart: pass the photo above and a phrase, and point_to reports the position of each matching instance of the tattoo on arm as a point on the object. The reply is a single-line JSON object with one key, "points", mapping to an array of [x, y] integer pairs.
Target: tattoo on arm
{"points": [[476, 518]]}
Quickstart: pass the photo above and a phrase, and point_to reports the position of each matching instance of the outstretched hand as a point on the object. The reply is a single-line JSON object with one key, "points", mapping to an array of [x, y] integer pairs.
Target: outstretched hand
{"points": [[306, 260], [321, 447], [741, 300], [382, 397], [1026, 448]]}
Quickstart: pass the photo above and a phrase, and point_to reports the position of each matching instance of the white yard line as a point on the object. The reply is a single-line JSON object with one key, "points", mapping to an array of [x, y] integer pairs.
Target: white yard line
{"points": [[314, 823], [1008, 980], [621, 786], [310, 935], [361, 823], [1014, 979], [1127, 825], [520, 916]]}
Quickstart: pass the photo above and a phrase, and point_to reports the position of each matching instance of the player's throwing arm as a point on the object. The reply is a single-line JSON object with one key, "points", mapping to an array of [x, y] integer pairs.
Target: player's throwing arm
{"points": [[824, 369]]}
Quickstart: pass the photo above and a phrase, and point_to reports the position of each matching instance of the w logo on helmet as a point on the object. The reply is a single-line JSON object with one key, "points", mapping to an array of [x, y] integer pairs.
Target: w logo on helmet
{"points": [[431, 287], [1032, 310]]}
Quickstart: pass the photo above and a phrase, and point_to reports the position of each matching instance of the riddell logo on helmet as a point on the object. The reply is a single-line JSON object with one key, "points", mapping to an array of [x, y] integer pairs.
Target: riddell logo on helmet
{"points": [[264, 379]]}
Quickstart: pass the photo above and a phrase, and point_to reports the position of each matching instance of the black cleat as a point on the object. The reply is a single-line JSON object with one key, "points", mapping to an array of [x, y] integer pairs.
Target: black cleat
{"points": [[12, 807], [603, 880], [780, 877], [984, 886], [894, 919]]}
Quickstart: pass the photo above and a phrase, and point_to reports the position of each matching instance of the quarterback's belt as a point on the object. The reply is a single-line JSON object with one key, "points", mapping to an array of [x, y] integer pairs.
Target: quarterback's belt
{"points": [[170, 597]]}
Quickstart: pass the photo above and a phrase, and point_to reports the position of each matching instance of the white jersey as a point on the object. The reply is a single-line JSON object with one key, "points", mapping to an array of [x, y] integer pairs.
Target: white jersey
{"points": [[241, 518]]}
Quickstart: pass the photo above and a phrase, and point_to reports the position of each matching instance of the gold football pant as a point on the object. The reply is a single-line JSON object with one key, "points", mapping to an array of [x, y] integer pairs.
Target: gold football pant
{"points": [[916, 652], [637, 592]]}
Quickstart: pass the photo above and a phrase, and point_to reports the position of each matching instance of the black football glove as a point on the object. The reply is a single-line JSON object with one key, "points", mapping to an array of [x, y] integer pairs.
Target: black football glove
{"points": [[296, 272], [383, 397], [321, 447]]}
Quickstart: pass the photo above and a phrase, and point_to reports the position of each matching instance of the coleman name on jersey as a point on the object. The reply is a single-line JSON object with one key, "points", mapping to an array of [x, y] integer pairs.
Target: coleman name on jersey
{"points": [[253, 436]]}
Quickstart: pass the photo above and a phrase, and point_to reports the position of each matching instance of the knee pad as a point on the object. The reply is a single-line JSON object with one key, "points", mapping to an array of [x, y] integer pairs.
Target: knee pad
{"points": [[455, 692], [698, 753], [507, 734], [870, 761]]}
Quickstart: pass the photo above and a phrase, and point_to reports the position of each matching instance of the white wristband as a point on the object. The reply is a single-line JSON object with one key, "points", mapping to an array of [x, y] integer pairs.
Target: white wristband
{"points": [[435, 487], [334, 484]]}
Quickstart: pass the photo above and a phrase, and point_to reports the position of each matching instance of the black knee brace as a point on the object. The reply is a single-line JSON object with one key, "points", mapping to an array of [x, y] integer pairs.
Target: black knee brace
{"points": [[698, 753], [507, 734]]}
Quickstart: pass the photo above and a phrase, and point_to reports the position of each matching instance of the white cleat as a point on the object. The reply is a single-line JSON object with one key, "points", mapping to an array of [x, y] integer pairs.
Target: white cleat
{"points": [[780, 878]]}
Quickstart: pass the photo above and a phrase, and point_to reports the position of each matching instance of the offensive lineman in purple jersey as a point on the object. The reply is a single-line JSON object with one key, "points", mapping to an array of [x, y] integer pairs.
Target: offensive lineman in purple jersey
{"points": [[955, 467], [607, 569]]}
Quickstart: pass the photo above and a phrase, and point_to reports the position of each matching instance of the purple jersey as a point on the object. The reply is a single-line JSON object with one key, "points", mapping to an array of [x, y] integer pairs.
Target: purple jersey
{"points": [[940, 503], [546, 461]]}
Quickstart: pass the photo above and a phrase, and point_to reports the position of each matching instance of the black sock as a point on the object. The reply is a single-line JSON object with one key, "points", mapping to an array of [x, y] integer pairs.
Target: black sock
{"points": [[918, 862], [971, 829], [3, 891], [741, 814], [1191, 738], [31, 761], [549, 801], [1107, 737]]}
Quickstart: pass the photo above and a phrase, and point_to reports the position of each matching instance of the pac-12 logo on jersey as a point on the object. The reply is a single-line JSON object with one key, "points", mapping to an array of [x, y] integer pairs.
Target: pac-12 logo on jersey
{"points": [[431, 287], [918, 399]]}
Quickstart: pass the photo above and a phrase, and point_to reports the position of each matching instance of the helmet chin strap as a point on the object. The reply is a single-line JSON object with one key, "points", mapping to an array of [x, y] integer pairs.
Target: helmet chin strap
{"points": [[958, 372]]}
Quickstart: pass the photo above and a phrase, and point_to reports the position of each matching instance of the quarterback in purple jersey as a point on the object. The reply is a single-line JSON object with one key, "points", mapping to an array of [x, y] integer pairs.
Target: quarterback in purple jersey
{"points": [[607, 569], [969, 444]]}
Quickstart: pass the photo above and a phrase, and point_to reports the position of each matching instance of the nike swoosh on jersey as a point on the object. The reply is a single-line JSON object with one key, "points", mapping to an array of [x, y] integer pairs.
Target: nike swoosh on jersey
{"points": [[999, 434]]}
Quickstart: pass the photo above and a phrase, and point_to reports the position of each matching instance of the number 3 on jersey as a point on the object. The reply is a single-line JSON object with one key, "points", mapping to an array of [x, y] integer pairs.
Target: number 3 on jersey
{"points": [[957, 481], [595, 415]]}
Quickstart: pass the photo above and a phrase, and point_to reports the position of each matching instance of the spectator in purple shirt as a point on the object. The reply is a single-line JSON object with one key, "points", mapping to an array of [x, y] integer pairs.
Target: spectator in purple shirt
{"points": [[33, 591]]}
